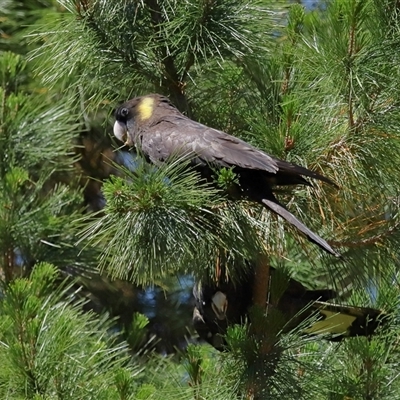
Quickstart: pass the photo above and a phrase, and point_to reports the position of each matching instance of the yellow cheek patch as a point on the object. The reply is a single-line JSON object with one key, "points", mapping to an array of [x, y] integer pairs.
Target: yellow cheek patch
{"points": [[146, 107]]}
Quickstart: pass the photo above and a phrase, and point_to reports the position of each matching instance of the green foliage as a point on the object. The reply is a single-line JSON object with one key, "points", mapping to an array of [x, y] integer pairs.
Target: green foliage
{"points": [[52, 349], [136, 334], [316, 87], [12, 67], [226, 178], [166, 218], [15, 16], [36, 152], [171, 380], [28, 122], [148, 46]]}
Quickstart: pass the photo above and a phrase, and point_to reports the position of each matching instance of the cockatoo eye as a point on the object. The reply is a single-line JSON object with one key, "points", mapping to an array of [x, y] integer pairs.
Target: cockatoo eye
{"points": [[124, 112]]}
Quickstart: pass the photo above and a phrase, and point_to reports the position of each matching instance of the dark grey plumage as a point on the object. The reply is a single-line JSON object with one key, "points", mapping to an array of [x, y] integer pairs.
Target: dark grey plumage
{"points": [[223, 304], [159, 131]]}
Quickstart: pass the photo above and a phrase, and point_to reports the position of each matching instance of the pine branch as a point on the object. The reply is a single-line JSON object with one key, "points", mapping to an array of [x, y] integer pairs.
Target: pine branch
{"points": [[261, 282], [171, 79], [373, 240], [130, 58], [349, 66]]}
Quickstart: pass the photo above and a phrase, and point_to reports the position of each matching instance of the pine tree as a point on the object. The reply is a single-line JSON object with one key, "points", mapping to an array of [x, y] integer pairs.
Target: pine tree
{"points": [[316, 87], [51, 349], [39, 206]]}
